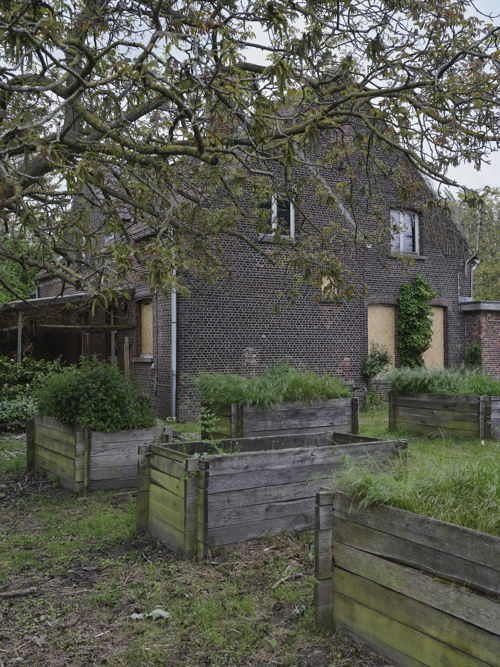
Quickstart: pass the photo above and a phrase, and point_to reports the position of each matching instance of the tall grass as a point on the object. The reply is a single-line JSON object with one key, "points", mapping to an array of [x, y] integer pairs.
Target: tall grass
{"points": [[279, 382], [442, 381], [461, 485]]}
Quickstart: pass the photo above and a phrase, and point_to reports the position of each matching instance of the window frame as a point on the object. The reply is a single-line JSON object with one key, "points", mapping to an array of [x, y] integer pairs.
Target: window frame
{"points": [[274, 226], [415, 220]]}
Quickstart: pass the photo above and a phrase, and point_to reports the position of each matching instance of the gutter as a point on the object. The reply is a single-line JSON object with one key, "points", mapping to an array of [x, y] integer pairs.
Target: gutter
{"points": [[173, 351]]}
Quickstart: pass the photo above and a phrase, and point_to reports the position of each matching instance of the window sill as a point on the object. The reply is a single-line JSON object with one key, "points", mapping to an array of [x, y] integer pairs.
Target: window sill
{"points": [[404, 255], [143, 359], [273, 238]]}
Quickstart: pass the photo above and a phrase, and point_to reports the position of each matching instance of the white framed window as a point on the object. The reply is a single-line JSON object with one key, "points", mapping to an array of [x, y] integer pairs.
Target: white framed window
{"points": [[281, 216], [405, 232]]}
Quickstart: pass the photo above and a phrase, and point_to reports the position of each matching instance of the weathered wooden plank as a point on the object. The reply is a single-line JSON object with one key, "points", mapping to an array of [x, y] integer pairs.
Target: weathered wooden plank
{"points": [[285, 475], [262, 494], [327, 403], [247, 531], [453, 400], [472, 607], [440, 431], [295, 418], [117, 458], [450, 630], [56, 465], [50, 422], [372, 624], [462, 410], [166, 533], [46, 433], [164, 463], [286, 458], [30, 444], [113, 472], [436, 415], [263, 512], [465, 543], [340, 427], [100, 440], [416, 555], [168, 482], [115, 483], [166, 506], [409, 419]]}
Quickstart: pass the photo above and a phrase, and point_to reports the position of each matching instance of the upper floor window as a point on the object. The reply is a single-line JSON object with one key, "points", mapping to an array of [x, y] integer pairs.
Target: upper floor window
{"points": [[281, 216], [405, 232]]}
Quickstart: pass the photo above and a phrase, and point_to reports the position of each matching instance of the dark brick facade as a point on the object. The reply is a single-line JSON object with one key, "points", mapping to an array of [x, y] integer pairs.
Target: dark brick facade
{"points": [[482, 319], [233, 326]]}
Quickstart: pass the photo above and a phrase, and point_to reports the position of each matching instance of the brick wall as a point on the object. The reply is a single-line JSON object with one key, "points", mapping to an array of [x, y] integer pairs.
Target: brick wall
{"points": [[483, 326]]}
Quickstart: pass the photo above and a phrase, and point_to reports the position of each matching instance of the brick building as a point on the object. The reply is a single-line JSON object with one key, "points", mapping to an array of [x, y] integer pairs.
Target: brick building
{"points": [[234, 325]]}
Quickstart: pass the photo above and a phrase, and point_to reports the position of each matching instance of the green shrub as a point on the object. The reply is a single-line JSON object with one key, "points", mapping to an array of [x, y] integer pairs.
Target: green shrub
{"points": [[18, 379], [414, 321], [279, 382], [442, 381], [473, 355], [460, 488], [96, 395], [15, 411], [377, 361]]}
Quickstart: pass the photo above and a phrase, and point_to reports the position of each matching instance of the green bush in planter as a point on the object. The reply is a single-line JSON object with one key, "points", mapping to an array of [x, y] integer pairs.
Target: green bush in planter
{"points": [[96, 395], [277, 383], [17, 380], [442, 381]]}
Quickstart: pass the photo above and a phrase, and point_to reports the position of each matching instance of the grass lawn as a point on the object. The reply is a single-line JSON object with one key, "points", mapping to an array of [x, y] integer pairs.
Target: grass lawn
{"points": [[88, 573]]}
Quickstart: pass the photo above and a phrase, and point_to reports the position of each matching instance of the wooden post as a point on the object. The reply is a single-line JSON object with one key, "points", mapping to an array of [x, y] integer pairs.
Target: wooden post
{"points": [[30, 444], [480, 416], [392, 412], [126, 355], [355, 415], [323, 561], [203, 474], [87, 443], [191, 508], [19, 354], [236, 420], [487, 418], [143, 468]]}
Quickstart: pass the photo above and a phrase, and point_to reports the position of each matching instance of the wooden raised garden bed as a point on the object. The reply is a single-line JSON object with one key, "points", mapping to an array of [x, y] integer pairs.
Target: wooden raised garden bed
{"points": [[84, 459], [194, 502], [245, 421], [446, 414], [419, 590]]}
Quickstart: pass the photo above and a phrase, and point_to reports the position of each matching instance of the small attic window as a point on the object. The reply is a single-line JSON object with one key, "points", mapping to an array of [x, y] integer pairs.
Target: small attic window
{"points": [[281, 217], [405, 232]]}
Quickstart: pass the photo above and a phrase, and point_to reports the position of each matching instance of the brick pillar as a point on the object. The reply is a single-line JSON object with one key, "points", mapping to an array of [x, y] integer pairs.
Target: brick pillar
{"points": [[483, 326]]}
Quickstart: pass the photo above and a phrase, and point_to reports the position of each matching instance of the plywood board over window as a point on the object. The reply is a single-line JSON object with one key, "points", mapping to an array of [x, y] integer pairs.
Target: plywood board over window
{"points": [[434, 356], [146, 329], [382, 328]]}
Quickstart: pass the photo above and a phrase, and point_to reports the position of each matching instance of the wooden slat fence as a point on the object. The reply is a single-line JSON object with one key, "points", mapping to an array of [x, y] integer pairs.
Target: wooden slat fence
{"points": [[84, 459], [419, 590], [335, 414], [194, 504], [445, 414]]}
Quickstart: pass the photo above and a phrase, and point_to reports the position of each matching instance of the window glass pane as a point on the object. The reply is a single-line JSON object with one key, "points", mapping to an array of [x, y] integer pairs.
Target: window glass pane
{"points": [[283, 216], [395, 230], [408, 233]]}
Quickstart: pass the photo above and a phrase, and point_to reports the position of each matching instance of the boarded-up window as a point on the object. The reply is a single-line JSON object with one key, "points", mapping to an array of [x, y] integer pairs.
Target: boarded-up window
{"points": [[382, 328], [434, 356], [146, 328]]}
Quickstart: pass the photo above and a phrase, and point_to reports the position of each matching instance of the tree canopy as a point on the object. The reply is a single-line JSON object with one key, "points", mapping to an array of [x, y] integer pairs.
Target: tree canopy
{"points": [[167, 115], [481, 225]]}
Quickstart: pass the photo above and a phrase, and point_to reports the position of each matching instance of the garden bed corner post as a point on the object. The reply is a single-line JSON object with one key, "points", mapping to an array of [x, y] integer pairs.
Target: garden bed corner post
{"points": [[143, 472], [30, 444], [323, 565], [392, 412], [355, 415]]}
